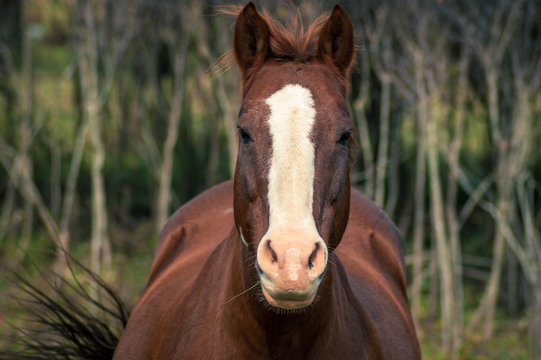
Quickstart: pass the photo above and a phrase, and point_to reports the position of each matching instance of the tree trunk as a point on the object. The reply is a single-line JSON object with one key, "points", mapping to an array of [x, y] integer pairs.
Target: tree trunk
{"points": [[166, 168], [71, 182], [534, 327], [7, 210], [227, 101], [451, 203], [383, 142], [437, 209], [100, 256], [25, 131], [28, 219], [214, 144], [56, 178], [419, 207], [362, 128], [18, 174], [394, 176], [443, 253], [69, 196], [434, 281], [522, 143], [486, 309]]}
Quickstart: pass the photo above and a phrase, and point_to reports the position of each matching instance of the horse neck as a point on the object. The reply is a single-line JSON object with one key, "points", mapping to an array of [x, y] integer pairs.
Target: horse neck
{"points": [[287, 330], [248, 319], [250, 311]]}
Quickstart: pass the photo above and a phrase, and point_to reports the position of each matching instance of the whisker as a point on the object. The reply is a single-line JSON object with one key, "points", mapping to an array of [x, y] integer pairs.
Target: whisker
{"points": [[244, 292]]}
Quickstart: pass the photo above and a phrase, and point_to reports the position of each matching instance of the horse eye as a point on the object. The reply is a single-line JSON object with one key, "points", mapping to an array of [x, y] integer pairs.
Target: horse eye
{"points": [[245, 136], [344, 138]]}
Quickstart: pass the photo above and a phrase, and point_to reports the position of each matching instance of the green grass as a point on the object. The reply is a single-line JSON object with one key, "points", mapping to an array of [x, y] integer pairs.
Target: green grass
{"points": [[509, 342]]}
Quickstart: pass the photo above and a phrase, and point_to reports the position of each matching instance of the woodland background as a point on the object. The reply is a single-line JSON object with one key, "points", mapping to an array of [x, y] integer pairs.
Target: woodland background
{"points": [[114, 113]]}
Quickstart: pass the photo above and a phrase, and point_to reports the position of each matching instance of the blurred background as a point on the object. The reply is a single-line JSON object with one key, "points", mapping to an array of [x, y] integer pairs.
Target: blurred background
{"points": [[115, 113]]}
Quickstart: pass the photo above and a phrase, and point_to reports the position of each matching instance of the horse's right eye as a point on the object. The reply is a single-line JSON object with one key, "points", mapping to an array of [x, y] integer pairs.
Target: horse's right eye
{"points": [[245, 136]]}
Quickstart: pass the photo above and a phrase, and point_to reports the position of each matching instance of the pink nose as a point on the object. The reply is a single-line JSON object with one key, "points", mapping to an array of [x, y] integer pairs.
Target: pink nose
{"points": [[291, 264]]}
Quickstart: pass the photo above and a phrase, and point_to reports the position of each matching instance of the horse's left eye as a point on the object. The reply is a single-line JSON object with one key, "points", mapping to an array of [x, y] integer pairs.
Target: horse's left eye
{"points": [[344, 138]]}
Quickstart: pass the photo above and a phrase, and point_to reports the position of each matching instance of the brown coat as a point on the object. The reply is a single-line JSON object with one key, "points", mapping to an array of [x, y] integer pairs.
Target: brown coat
{"points": [[362, 312]]}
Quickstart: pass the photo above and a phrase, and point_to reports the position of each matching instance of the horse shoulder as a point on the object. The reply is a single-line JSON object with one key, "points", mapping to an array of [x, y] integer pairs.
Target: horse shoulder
{"points": [[191, 234], [373, 257], [195, 229]]}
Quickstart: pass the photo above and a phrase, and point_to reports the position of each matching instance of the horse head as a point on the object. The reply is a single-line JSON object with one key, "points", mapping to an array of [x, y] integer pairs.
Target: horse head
{"points": [[291, 183]]}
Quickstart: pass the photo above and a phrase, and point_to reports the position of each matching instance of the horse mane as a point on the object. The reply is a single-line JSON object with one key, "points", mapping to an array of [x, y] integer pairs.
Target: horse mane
{"points": [[288, 41]]}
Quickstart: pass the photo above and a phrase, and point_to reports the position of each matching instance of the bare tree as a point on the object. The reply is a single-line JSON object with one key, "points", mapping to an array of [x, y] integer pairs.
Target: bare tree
{"points": [[88, 65], [525, 64], [177, 46], [377, 30], [489, 40], [425, 40], [17, 159], [360, 105], [94, 43], [451, 206]]}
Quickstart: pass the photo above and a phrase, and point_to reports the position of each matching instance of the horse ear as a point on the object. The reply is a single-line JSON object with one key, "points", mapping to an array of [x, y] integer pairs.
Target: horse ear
{"points": [[251, 39], [336, 40]]}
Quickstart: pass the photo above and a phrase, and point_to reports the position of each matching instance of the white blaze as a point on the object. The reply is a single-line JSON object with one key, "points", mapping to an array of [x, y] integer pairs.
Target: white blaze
{"points": [[291, 173]]}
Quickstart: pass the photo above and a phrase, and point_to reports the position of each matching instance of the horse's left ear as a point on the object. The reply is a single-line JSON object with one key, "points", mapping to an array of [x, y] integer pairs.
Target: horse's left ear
{"points": [[336, 40]]}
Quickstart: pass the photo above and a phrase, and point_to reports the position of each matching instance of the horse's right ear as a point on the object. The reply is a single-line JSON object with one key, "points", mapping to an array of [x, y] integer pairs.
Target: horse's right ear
{"points": [[251, 40]]}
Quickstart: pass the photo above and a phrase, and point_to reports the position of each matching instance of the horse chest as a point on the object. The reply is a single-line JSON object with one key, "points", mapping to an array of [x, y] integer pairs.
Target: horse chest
{"points": [[211, 330], [220, 343]]}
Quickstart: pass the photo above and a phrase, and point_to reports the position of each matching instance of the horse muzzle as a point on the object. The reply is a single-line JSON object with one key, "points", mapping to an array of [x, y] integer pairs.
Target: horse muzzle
{"points": [[291, 264]]}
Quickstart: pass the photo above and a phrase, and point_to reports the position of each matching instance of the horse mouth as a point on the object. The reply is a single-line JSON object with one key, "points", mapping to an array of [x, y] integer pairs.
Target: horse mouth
{"points": [[289, 300]]}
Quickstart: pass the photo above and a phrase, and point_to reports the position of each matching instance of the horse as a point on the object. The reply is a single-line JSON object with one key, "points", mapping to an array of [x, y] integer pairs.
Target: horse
{"points": [[285, 261]]}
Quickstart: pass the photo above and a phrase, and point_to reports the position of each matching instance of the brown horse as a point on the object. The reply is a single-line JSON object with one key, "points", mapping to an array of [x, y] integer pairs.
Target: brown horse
{"points": [[286, 261]]}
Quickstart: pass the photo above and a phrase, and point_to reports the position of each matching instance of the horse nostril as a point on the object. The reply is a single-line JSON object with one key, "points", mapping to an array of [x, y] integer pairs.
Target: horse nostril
{"points": [[312, 257], [272, 252]]}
